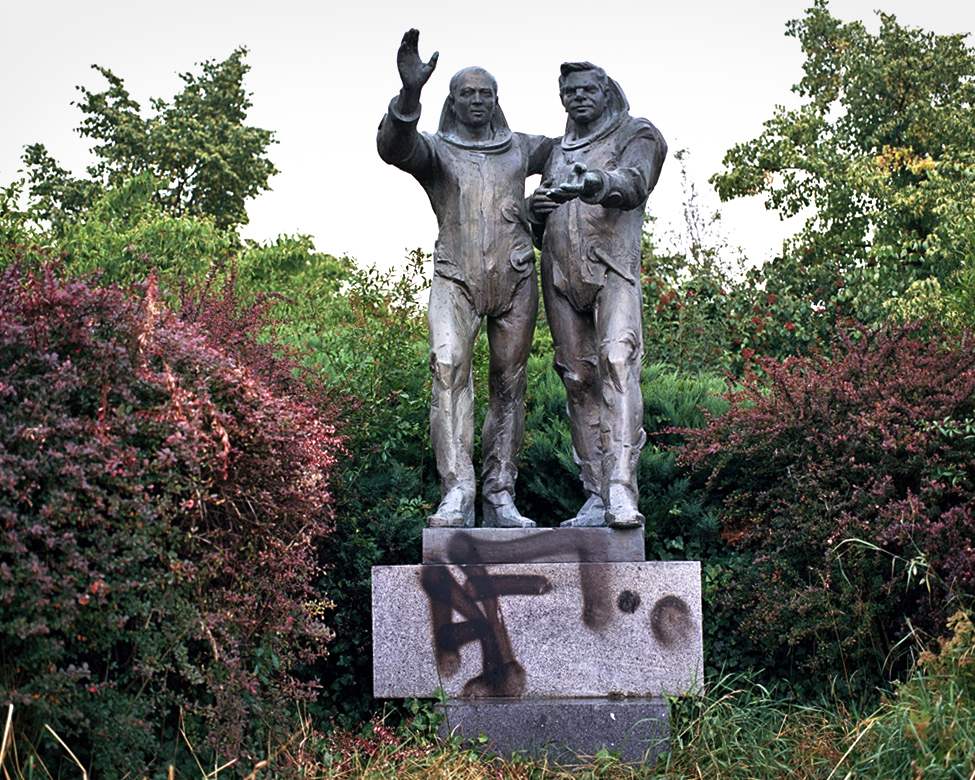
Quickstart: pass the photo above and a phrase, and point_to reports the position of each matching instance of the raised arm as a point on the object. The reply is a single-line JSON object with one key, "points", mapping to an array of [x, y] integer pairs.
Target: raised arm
{"points": [[398, 141], [413, 72]]}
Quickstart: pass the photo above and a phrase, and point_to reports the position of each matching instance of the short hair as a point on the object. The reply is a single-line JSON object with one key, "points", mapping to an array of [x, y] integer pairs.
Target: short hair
{"points": [[581, 67], [459, 76]]}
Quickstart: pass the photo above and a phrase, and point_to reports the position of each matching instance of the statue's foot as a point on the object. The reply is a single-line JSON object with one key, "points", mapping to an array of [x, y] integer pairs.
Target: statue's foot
{"points": [[622, 511], [500, 512], [592, 514], [624, 518], [456, 510]]}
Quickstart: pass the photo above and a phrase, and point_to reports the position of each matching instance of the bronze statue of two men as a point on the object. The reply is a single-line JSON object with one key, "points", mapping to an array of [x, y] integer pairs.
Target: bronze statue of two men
{"points": [[588, 216]]}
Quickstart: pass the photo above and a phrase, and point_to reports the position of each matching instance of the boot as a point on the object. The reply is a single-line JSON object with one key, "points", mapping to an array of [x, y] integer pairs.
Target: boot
{"points": [[592, 514], [500, 512], [456, 510], [621, 511]]}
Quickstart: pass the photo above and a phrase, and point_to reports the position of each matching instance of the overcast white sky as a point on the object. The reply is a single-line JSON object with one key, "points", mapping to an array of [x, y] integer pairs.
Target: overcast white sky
{"points": [[707, 73]]}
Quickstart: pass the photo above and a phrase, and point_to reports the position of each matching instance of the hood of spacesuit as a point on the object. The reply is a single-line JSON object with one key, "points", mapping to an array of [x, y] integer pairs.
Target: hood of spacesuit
{"points": [[617, 109], [500, 137]]}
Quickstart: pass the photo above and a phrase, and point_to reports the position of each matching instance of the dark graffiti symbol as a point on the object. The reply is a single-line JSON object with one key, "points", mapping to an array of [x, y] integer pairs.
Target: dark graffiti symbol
{"points": [[670, 620], [568, 544], [597, 610], [477, 603], [597, 604], [628, 601]]}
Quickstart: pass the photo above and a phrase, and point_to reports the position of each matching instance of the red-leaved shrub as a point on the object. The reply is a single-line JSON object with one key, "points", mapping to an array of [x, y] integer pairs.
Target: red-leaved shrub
{"points": [[164, 480], [850, 484]]}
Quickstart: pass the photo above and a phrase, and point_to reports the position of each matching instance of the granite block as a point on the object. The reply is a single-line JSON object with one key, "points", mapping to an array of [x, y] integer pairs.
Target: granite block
{"points": [[537, 630]]}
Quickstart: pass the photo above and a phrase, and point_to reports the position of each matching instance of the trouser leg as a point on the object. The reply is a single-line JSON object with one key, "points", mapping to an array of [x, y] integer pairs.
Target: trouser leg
{"points": [[509, 341], [576, 362], [618, 317], [453, 327]]}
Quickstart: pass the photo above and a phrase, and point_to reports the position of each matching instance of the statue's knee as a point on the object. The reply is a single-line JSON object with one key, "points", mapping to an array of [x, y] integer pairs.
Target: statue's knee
{"points": [[447, 368], [622, 353], [508, 383], [578, 375]]}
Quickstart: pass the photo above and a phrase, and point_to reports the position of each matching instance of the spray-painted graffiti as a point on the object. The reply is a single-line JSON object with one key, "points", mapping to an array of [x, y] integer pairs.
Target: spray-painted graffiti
{"points": [[476, 599], [587, 549], [628, 602], [565, 544], [671, 621], [477, 603]]}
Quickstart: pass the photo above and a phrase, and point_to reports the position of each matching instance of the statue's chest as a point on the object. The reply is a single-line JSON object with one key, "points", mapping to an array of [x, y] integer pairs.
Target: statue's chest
{"points": [[598, 156], [501, 172]]}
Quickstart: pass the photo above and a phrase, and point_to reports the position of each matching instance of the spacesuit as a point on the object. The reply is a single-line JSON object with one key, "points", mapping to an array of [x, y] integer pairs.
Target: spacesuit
{"points": [[484, 267]]}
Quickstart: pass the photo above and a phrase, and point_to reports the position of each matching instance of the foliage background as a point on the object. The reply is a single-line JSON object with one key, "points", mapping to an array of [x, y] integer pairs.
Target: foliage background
{"points": [[810, 419], [165, 483]]}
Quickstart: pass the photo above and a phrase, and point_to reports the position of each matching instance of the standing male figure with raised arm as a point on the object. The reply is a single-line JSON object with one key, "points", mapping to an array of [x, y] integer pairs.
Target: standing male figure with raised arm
{"points": [[590, 208], [473, 171]]}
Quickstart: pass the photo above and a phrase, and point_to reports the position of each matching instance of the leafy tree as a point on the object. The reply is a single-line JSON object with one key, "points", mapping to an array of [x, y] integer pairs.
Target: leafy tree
{"points": [[127, 236], [882, 149], [16, 226], [207, 161], [962, 293]]}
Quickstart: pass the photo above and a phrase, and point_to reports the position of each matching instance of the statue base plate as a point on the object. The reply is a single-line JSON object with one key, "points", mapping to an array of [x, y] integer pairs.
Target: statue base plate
{"points": [[566, 731]]}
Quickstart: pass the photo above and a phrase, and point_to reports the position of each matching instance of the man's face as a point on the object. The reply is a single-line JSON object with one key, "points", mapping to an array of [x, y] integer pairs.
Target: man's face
{"points": [[583, 96], [474, 100]]}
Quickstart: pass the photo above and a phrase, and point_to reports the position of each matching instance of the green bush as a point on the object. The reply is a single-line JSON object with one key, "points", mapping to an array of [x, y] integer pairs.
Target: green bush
{"points": [[372, 339], [164, 483], [847, 489], [548, 483]]}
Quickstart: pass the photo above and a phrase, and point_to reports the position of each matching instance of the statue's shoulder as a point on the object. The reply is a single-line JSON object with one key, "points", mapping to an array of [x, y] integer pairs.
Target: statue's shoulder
{"points": [[534, 144], [638, 127], [432, 141]]}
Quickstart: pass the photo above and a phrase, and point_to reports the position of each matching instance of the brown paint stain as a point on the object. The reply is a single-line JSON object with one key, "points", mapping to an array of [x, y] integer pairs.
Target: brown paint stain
{"points": [[670, 621]]}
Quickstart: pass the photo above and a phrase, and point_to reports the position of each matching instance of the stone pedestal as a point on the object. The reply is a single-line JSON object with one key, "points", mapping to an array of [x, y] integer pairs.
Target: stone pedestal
{"points": [[565, 729], [532, 545], [561, 640]]}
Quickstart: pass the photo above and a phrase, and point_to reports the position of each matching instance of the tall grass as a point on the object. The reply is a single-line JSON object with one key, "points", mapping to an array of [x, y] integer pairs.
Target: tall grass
{"points": [[923, 727]]}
